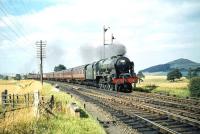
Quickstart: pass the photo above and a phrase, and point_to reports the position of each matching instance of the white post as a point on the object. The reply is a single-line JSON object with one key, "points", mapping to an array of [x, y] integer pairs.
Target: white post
{"points": [[36, 103]]}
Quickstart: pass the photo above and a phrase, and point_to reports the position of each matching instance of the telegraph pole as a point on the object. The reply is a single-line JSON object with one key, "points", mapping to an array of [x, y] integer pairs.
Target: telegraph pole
{"points": [[40, 46]]}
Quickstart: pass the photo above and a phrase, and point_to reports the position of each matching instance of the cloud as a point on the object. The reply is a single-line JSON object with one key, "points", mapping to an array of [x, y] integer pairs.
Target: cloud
{"points": [[149, 30]]}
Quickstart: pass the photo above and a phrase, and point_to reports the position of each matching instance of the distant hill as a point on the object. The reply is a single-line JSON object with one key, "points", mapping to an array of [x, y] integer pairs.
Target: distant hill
{"points": [[182, 64]]}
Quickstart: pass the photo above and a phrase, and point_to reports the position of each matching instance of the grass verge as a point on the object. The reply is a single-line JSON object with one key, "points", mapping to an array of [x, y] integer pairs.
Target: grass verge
{"points": [[64, 123]]}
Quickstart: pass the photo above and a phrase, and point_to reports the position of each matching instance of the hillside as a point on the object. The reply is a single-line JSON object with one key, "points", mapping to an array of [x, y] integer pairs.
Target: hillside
{"points": [[182, 64]]}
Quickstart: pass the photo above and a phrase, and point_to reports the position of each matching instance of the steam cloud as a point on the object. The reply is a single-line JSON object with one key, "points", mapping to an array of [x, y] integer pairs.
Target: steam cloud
{"points": [[55, 55], [90, 54], [115, 49]]}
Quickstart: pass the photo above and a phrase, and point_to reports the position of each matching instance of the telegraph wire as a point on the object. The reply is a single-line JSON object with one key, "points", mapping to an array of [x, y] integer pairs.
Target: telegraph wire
{"points": [[27, 10], [6, 37], [20, 33], [11, 29], [24, 6], [9, 26]]}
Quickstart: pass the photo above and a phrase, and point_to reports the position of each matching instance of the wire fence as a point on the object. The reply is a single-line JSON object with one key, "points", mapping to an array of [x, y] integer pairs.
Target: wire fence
{"points": [[11, 102], [14, 107]]}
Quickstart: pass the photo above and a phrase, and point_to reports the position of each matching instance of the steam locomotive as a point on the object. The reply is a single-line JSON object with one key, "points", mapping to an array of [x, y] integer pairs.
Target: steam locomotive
{"points": [[114, 73]]}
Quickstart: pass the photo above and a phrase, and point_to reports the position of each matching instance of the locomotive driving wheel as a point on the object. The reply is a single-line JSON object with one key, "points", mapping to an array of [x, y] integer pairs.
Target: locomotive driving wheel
{"points": [[105, 86], [101, 86], [109, 86], [116, 87]]}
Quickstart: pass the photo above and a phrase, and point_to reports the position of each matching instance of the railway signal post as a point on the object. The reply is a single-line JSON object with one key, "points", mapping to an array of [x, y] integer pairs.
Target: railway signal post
{"points": [[112, 38], [40, 46], [104, 31]]}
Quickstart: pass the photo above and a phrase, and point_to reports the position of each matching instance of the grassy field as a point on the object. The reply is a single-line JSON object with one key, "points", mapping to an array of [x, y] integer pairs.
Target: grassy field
{"points": [[19, 87], [62, 124], [161, 85]]}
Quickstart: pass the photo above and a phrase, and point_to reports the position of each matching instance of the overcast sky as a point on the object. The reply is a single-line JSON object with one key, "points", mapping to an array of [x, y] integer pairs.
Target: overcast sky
{"points": [[153, 32]]}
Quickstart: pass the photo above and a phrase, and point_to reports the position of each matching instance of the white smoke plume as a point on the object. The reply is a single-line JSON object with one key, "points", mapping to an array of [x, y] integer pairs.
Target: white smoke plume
{"points": [[115, 49], [90, 53]]}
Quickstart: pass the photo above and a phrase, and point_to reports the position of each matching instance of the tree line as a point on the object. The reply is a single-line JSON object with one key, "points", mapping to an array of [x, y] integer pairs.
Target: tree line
{"points": [[16, 77]]}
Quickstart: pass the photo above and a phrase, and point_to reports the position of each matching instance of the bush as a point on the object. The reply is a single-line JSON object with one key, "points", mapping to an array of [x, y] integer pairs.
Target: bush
{"points": [[151, 86], [194, 87], [5, 77], [147, 88], [174, 74], [18, 77]]}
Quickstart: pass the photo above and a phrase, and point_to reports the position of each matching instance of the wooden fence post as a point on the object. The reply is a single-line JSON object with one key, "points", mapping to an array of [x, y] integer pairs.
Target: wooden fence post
{"points": [[5, 95], [28, 99], [13, 101], [10, 99], [84, 105], [25, 99], [51, 102], [17, 97], [4, 100], [42, 99]]}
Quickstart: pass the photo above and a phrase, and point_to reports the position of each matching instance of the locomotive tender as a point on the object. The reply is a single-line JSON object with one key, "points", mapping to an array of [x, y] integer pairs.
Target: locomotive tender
{"points": [[114, 73]]}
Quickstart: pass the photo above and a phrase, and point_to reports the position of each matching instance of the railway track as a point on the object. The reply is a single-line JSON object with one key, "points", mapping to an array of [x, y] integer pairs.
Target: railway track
{"points": [[191, 110], [183, 107], [187, 110], [189, 101], [192, 105], [147, 106], [137, 115]]}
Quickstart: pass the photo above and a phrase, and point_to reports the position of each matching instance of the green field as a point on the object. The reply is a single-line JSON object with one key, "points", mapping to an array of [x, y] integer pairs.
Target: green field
{"points": [[161, 85]]}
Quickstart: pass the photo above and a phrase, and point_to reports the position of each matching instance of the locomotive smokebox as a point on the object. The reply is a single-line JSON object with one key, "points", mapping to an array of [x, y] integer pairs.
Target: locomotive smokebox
{"points": [[123, 65]]}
